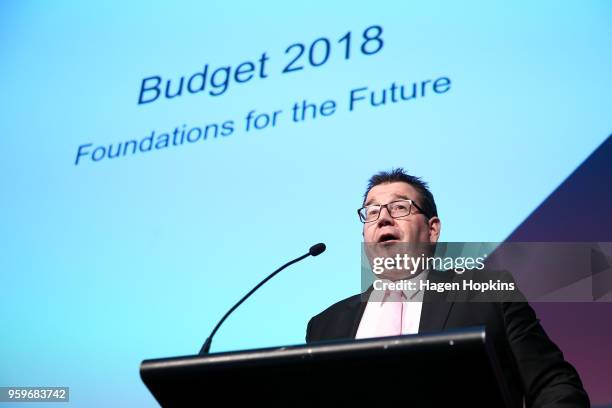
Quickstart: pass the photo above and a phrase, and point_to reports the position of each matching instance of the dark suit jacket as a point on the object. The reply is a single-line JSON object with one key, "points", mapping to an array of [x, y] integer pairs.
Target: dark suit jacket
{"points": [[534, 366]]}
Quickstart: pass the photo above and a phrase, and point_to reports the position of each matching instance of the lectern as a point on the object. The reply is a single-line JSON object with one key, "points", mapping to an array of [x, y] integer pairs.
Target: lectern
{"points": [[448, 369]]}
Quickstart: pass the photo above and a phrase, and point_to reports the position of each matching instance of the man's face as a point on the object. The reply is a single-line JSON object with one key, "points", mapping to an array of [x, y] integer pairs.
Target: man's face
{"points": [[412, 228]]}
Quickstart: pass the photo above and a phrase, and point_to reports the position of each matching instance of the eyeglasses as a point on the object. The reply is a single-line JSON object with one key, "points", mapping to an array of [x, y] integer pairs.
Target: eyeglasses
{"points": [[396, 209]]}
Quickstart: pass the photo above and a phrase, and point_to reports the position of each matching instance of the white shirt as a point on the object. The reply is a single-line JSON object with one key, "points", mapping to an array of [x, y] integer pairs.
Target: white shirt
{"points": [[411, 311]]}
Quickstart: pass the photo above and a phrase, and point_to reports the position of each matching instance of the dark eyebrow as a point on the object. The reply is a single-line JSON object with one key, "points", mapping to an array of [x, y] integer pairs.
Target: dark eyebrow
{"points": [[400, 196]]}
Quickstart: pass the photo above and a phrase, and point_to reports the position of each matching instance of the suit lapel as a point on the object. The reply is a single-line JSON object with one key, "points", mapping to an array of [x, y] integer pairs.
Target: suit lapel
{"points": [[359, 309], [436, 306], [356, 311]]}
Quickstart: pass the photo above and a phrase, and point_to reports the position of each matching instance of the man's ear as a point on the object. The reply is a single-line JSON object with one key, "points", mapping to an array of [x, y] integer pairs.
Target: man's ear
{"points": [[435, 226]]}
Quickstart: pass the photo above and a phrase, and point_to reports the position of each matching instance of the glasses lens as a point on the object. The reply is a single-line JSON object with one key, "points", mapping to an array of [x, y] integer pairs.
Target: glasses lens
{"points": [[369, 213], [400, 208]]}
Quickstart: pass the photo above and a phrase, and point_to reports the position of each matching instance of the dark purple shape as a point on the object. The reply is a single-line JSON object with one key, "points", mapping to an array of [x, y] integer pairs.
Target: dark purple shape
{"points": [[579, 210]]}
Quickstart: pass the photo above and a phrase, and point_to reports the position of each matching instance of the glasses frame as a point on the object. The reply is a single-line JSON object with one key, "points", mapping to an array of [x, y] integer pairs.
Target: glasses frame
{"points": [[412, 203]]}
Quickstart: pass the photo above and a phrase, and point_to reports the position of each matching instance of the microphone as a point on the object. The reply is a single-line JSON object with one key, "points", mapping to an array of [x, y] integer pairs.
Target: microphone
{"points": [[317, 249], [314, 250]]}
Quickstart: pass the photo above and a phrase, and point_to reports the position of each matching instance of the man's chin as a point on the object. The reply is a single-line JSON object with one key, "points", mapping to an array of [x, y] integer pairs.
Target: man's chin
{"points": [[395, 275], [388, 249]]}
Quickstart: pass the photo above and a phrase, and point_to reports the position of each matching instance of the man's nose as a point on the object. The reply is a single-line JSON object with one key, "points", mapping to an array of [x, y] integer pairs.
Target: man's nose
{"points": [[385, 217]]}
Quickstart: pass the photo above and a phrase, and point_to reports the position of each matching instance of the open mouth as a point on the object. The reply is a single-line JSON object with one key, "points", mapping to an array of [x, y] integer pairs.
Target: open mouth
{"points": [[388, 237]]}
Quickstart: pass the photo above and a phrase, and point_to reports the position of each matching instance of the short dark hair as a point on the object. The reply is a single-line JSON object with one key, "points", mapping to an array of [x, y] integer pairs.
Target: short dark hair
{"points": [[399, 175]]}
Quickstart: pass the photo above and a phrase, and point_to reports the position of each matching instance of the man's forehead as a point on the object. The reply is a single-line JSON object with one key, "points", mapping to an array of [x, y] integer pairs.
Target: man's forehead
{"points": [[384, 191]]}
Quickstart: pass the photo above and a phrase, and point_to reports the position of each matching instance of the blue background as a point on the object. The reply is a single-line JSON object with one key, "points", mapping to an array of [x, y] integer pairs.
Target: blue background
{"points": [[105, 264]]}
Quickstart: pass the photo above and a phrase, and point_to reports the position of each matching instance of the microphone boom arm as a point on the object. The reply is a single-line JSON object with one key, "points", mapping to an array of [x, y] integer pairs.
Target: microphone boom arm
{"points": [[314, 251]]}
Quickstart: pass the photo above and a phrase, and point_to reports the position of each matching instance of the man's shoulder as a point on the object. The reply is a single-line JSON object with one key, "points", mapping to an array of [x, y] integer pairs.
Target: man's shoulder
{"points": [[339, 307], [336, 321], [492, 285], [474, 274]]}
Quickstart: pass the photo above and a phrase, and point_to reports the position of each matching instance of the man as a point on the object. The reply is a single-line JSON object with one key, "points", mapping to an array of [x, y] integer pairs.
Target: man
{"points": [[399, 208]]}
